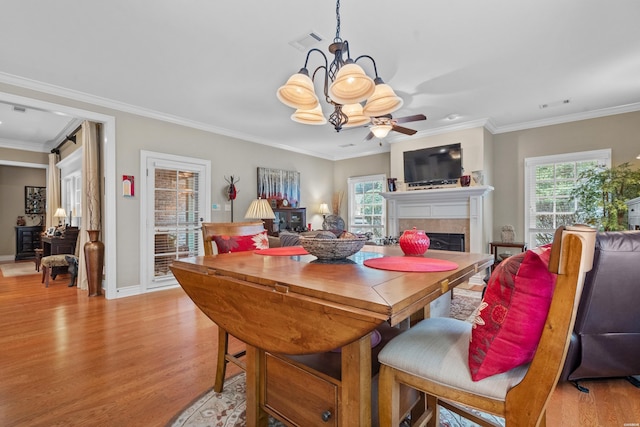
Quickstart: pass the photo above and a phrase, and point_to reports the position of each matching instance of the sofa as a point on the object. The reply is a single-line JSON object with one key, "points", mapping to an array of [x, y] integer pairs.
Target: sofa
{"points": [[606, 338]]}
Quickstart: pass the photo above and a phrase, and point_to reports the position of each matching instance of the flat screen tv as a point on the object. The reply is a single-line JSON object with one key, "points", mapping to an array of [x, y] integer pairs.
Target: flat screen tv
{"points": [[433, 166]]}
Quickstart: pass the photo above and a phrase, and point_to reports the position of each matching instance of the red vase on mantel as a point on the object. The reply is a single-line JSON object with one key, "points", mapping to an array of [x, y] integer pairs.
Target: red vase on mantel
{"points": [[414, 242]]}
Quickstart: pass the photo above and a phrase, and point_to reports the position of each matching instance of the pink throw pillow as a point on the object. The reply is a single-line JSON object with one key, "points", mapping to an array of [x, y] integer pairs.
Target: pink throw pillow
{"points": [[511, 316], [251, 242]]}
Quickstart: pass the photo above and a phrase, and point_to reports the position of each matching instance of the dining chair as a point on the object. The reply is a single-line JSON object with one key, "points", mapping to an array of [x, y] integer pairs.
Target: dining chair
{"points": [[223, 230], [433, 356]]}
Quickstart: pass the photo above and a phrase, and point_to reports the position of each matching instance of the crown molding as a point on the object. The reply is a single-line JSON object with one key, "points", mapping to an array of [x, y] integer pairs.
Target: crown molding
{"points": [[586, 115], [145, 112]]}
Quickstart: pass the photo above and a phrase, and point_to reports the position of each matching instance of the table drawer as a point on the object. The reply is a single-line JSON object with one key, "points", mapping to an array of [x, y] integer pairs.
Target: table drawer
{"points": [[299, 396]]}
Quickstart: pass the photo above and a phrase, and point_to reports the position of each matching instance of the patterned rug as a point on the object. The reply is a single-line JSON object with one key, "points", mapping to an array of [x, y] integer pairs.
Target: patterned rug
{"points": [[227, 409], [18, 269]]}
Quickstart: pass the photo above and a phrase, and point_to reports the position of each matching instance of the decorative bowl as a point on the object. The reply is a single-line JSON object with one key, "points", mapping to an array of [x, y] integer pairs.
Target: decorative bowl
{"points": [[331, 249]]}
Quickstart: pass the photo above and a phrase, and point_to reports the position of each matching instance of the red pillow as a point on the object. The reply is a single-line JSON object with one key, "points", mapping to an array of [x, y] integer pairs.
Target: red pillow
{"points": [[511, 316], [251, 242]]}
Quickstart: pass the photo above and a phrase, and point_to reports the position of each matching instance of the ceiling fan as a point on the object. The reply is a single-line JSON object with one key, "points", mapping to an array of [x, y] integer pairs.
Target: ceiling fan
{"points": [[382, 125]]}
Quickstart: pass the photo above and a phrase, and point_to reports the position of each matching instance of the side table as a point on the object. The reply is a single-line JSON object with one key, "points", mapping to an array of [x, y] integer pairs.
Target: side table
{"points": [[494, 246]]}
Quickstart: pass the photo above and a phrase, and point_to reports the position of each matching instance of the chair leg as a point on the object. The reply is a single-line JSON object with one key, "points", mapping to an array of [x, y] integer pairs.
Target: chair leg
{"points": [[45, 276], [221, 368], [388, 398]]}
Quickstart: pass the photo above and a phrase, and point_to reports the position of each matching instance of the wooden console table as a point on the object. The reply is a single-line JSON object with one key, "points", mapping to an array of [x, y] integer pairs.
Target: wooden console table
{"points": [[282, 306], [494, 246]]}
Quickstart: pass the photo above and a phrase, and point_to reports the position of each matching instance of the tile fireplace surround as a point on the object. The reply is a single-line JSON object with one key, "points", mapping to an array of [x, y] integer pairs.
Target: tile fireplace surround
{"points": [[442, 210]]}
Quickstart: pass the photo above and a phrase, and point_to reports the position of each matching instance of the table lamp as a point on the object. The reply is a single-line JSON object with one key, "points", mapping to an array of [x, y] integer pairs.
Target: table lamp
{"points": [[260, 209], [60, 213], [324, 210]]}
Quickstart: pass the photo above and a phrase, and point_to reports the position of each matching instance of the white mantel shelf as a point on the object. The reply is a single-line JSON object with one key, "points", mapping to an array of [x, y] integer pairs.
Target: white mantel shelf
{"points": [[441, 203], [440, 194]]}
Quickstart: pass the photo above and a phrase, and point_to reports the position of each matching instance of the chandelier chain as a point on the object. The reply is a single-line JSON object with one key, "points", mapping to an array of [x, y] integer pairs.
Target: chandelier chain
{"points": [[337, 39]]}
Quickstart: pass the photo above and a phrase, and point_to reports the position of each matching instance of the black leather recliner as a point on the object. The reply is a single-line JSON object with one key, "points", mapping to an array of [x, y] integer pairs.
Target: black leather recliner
{"points": [[606, 338]]}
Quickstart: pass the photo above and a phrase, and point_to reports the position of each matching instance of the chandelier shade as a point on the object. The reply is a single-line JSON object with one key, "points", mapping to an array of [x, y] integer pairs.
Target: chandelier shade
{"points": [[355, 116], [298, 92], [345, 85], [351, 85], [309, 117], [383, 101]]}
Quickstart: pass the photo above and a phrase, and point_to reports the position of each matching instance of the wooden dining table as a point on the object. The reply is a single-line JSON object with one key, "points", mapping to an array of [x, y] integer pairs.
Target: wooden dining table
{"points": [[309, 324]]}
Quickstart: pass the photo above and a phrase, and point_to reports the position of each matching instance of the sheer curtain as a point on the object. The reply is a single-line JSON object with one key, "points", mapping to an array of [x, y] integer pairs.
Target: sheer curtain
{"points": [[91, 193], [53, 187]]}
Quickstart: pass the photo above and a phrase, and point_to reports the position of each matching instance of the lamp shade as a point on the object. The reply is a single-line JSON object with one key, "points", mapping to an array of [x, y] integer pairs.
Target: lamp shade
{"points": [[60, 213], [260, 209], [298, 92], [355, 115], [383, 101], [324, 209], [351, 85], [380, 131], [309, 117]]}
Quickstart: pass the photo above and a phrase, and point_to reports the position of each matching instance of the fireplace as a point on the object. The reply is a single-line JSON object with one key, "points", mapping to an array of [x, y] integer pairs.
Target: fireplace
{"points": [[446, 241], [455, 210]]}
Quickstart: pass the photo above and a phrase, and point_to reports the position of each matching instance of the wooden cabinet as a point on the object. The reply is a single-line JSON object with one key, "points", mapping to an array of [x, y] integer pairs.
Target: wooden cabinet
{"points": [[290, 219], [633, 206], [498, 257], [27, 241]]}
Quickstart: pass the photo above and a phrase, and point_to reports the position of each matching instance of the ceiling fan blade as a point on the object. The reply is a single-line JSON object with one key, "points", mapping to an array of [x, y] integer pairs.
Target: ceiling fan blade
{"points": [[404, 130], [414, 118], [369, 136]]}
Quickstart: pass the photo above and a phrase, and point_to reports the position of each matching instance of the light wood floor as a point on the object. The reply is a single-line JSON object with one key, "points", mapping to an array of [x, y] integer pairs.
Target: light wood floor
{"points": [[70, 360]]}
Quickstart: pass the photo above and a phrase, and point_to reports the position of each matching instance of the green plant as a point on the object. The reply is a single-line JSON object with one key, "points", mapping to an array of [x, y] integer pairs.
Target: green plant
{"points": [[601, 194]]}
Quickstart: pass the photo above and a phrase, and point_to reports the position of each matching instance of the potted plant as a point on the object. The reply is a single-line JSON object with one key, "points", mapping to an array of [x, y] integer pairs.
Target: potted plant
{"points": [[601, 194]]}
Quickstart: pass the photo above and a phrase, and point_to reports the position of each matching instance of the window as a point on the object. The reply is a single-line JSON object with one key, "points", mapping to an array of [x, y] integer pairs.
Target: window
{"points": [[367, 208], [548, 183], [72, 190]]}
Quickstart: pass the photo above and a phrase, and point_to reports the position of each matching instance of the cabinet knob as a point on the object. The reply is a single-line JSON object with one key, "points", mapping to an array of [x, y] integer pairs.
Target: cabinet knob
{"points": [[326, 416]]}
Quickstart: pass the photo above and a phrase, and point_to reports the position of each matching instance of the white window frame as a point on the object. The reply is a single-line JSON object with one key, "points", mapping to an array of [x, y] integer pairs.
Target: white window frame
{"points": [[603, 156], [353, 206], [71, 186]]}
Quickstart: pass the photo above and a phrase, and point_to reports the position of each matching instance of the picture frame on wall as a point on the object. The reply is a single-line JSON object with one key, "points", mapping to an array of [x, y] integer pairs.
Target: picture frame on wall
{"points": [[280, 187]]}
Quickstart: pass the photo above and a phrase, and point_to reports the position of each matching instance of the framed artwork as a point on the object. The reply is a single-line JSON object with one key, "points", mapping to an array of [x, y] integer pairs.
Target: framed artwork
{"points": [[35, 200], [280, 187]]}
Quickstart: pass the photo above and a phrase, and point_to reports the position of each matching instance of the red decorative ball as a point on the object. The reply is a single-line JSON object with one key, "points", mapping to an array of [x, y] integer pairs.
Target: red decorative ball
{"points": [[414, 242]]}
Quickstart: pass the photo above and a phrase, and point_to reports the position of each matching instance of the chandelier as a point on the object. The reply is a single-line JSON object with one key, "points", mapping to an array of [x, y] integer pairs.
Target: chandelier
{"points": [[346, 86]]}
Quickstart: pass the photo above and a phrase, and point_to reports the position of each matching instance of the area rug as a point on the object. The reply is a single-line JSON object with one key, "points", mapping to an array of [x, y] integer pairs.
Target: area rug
{"points": [[18, 269], [227, 409], [464, 303]]}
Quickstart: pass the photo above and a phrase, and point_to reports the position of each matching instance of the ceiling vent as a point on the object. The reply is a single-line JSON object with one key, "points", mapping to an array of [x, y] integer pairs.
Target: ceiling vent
{"points": [[307, 41], [347, 145], [19, 109]]}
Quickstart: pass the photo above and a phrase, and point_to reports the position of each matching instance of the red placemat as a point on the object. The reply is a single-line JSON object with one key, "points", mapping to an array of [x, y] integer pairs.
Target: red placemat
{"points": [[410, 263], [283, 251]]}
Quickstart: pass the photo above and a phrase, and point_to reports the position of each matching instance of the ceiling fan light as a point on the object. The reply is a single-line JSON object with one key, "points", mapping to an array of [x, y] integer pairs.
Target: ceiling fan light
{"points": [[298, 92], [309, 117], [355, 115], [383, 101], [380, 131], [351, 85]]}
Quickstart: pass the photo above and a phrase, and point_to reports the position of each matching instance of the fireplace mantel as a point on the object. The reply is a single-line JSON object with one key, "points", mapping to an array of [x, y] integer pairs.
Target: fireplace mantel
{"points": [[441, 203]]}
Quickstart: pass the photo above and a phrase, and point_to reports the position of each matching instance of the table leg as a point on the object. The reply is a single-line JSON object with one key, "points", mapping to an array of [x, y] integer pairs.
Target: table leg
{"points": [[255, 383], [355, 407]]}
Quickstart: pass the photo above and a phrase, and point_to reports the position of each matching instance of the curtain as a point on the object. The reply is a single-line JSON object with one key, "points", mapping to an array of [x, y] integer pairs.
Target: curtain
{"points": [[53, 189], [91, 193]]}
